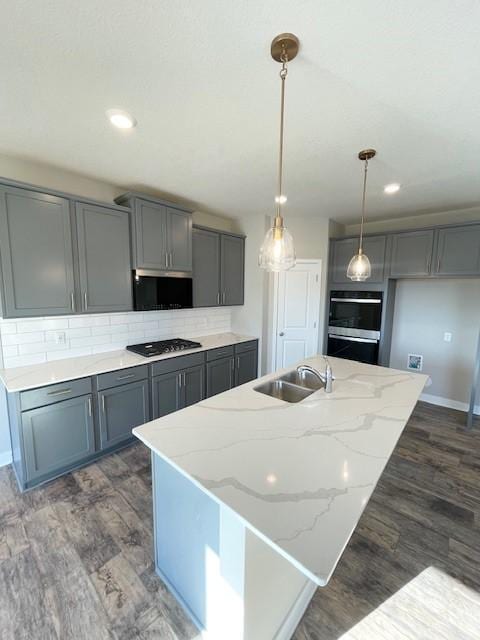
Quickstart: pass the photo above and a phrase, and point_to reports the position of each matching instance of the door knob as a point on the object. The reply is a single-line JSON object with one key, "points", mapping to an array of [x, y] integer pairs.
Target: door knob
{"points": [[281, 333]]}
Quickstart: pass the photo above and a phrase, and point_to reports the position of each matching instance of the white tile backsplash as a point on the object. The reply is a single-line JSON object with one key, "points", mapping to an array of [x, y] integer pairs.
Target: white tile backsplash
{"points": [[34, 340]]}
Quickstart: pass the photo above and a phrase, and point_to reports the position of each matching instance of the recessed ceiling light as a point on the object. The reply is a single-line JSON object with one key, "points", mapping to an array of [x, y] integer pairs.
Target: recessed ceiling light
{"points": [[121, 119], [391, 188]]}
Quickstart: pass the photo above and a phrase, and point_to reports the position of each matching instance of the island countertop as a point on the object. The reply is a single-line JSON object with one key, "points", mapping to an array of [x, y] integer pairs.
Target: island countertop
{"points": [[298, 475]]}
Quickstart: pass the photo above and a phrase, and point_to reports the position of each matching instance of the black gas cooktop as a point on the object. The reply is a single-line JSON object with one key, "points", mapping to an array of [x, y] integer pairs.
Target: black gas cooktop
{"points": [[149, 349]]}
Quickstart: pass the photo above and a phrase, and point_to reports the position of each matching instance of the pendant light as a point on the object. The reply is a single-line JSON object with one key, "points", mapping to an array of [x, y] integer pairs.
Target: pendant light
{"points": [[359, 268], [277, 252]]}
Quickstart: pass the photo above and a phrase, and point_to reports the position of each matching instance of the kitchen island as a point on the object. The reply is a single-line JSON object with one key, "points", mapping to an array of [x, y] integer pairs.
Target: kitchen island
{"points": [[255, 498]]}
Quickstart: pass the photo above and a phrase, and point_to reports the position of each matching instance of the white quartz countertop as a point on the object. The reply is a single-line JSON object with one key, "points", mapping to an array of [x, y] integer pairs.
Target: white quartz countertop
{"points": [[298, 475], [40, 375]]}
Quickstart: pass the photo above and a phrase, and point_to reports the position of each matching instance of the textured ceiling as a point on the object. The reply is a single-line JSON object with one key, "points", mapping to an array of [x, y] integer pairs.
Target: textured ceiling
{"points": [[403, 77]]}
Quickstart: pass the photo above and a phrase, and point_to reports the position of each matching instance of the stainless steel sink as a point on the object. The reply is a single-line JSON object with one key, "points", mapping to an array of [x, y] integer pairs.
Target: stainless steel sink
{"points": [[283, 390], [305, 379]]}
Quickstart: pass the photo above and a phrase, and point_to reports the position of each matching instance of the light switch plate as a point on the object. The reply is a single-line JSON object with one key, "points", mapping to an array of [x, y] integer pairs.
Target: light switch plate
{"points": [[447, 336]]}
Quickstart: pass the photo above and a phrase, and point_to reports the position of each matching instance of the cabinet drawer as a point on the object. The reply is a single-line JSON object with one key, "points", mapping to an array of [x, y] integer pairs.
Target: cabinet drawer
{"points": [[176, 363], [221, 352], [54, 393], [122, 376], [246, 346]]}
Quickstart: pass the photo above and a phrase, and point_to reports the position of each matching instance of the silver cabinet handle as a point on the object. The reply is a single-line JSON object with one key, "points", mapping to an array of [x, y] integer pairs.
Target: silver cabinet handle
{"points": [[126, 377], [61, 392], [180, 384], [438, 264], [103, 404], [238, 362], [90, 407], [218, 297], [184, 379], [171, 259], [85, 304], [281, 333], [166, 259], [72, 301]]}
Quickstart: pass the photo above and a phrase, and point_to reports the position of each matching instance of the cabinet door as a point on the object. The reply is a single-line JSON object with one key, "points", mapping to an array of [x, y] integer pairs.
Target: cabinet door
{"points": [[220, 376], [245, 367], [179, 240], [166, 394], [458, 251], [206, 268], [193, 385], [105, 266], [120, 410], [150, 235], [411, 254], [344, 250], [57, 436], [36, 253], [232, 269]]}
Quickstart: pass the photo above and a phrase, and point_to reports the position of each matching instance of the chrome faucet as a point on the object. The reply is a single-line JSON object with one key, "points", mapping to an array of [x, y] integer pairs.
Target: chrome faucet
{"points": [[326, 378]]}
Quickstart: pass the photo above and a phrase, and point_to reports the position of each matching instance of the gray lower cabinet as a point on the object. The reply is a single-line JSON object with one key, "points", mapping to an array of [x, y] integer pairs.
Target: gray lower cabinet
{"points": [[457, 251], [220, 375], [120, 410], [246, 366], [343, 251], [105, 265], [206, 268], [177, 389], [232, 269], [36, 254], [57, 436], [411, 254]]}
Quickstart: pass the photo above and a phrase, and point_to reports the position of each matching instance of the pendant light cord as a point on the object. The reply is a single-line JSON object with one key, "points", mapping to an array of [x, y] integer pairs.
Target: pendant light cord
{"points": [[360, 247], [283, 75]]}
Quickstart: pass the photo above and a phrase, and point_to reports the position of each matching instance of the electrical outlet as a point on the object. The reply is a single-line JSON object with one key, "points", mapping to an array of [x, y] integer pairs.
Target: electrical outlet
{"points": [[447, 336], [60, 337]]}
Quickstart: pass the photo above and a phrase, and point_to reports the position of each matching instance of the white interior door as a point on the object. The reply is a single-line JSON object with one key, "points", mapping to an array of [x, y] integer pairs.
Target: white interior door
{"points": [[298, 308]]}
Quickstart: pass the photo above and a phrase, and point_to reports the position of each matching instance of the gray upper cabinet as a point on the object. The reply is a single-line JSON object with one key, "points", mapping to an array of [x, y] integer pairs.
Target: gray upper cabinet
{"points": [[36, 254], [232, 269], [457, 251], [179, 239], [206, 268], [411, 254], [344, 250], [120, 410], [104, 259], [218, 268], [161, 234], [57, 436], [150, 238]]}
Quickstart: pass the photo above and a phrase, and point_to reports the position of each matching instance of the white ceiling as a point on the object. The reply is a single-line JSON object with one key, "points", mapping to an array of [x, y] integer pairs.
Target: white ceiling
{"points": [[401, 76]]}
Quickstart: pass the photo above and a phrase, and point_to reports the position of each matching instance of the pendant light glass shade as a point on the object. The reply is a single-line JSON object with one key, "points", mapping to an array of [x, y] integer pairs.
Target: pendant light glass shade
{"points": [[277, 252], [359, 268]]}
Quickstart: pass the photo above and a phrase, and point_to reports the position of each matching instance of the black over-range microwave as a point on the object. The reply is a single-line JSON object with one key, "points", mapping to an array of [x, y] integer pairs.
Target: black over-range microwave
{"points": [[153, 290]]}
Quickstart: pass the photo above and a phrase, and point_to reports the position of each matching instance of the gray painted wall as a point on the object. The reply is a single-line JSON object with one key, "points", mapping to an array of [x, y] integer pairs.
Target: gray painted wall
{"points": [[424, 311]]}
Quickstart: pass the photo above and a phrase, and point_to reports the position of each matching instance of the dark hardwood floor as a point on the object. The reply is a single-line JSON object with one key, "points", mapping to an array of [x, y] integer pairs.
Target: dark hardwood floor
{"points": [[76, 554]]}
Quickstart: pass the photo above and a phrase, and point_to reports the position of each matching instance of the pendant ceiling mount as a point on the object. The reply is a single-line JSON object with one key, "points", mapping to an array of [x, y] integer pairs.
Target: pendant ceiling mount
{"points": [[367, 154], [285, 43]]}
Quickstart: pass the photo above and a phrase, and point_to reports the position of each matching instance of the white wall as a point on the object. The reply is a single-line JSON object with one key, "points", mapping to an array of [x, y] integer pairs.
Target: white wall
{"points": [[311, 242], [424, 311]]}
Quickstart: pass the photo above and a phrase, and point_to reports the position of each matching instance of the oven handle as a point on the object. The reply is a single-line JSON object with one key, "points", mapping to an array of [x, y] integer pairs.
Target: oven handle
{"points": [[348, 339], [359, 300]]}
